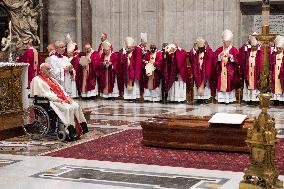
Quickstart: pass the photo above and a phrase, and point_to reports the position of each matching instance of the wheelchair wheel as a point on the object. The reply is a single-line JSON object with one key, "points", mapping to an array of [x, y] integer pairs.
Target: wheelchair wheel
{"points": [[61, 135], [36, 122]]}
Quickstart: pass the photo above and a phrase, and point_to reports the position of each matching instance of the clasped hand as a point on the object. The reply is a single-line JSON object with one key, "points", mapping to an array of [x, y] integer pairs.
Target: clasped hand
{"points": [[68, 67]]}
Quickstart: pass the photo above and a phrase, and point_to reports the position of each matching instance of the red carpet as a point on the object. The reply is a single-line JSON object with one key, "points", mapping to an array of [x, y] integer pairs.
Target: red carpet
{"points": [[126, 147]]}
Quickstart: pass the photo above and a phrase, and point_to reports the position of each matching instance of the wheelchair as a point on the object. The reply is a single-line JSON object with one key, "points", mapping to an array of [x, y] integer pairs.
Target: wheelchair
{"points": [[41, 121]]}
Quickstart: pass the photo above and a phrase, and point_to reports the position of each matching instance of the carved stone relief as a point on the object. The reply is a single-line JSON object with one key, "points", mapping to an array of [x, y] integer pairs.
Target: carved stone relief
{"points": [[24, 16]]}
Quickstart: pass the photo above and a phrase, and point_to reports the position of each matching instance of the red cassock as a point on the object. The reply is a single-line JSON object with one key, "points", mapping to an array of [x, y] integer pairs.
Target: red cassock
{"points": [[272, 71], [28, 57], [244, 55], [158, 71], [203, 74], [233, 69], [133, 71], [75, 62], [175, 64], [242, 60], [92, 73], [112, 72], [120, 74], [100, 50]]}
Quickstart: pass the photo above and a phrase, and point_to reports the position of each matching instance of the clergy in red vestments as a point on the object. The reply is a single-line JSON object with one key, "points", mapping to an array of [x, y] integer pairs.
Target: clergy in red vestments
{"points": [[131, 60], [250, 60], [69, 112], [153, 74], [108, 72], [31, 56], [89, 72], [103, 39], [277, 70], [175, 73], [143, 44], [227, 69], [202, 60]]}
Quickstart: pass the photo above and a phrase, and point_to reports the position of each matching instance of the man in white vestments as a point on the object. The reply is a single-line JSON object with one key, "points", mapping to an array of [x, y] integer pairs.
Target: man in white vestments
{"points": [[62, 69], [69, 112]]}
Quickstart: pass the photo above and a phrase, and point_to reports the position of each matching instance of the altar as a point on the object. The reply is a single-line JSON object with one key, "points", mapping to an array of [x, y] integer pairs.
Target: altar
{"points": [[13, 98]]}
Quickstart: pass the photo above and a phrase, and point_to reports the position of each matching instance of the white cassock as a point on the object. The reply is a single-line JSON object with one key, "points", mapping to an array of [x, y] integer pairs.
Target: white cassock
{"points": [[177, 92], [64, 78], [64, 111]]}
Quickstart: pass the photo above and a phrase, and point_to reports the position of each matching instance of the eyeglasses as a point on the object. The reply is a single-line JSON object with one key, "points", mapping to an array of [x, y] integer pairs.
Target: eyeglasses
{"points": [[63, 47]]}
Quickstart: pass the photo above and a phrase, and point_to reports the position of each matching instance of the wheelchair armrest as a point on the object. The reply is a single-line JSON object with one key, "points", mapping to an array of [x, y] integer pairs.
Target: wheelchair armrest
{"points": [[40, 100]]}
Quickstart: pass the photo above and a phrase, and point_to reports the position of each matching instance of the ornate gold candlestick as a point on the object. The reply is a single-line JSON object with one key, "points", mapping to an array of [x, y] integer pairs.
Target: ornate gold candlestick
{"points": [[261, 139]]}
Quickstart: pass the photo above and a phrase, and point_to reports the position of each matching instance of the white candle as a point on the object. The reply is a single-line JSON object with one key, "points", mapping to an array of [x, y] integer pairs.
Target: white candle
{"points": [[10, 28]]}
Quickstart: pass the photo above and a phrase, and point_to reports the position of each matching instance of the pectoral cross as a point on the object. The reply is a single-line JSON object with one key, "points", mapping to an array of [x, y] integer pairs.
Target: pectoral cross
{"points": [[201, 58]]}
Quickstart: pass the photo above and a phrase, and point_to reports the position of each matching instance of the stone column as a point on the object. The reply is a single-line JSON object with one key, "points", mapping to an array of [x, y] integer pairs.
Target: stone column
{"points": [[41, 28], [62, 19], [79, 23], [86, 22]]}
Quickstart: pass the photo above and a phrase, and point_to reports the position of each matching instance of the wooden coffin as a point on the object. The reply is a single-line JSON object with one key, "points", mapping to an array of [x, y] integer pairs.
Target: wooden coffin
{"points": [[194, 133]]}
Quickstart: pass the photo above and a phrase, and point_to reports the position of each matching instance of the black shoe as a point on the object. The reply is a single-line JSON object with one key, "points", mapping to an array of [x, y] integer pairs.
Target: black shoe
{"points": [[250, 103], [84, 127], [276, 103], [72, 132]]}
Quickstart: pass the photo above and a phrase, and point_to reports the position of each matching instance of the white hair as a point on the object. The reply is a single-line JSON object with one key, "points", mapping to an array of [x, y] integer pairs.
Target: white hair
{"points": [[57, 43], [42, 66]]}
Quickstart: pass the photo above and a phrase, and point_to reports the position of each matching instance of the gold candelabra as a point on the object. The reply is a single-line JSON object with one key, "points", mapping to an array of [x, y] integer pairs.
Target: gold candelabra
{"points": [[261, 139]]}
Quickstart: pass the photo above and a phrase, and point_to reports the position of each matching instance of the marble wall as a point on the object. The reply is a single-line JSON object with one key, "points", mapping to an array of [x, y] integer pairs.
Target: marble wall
{"points": [[61, 19], [173, 21], [178, 21]]}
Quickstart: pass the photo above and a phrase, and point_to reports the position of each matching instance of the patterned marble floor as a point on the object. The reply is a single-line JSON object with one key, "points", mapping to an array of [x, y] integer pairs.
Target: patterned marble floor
{"points": [[21, 159]]}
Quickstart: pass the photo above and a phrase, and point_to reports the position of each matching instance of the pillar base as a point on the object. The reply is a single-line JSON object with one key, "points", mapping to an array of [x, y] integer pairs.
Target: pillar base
{"points": [[244, 185]]}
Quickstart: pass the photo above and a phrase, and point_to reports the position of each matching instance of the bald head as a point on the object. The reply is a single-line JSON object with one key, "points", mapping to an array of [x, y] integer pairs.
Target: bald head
{"points": [[88, 47], [103, 37], [50, 47]]}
